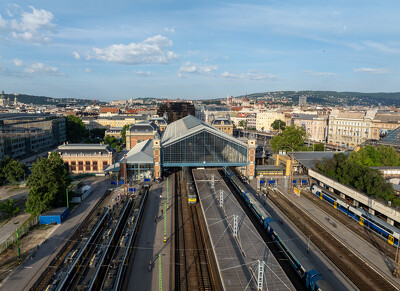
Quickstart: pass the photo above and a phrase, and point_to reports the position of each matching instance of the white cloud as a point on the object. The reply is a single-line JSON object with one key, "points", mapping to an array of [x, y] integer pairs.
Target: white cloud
{"points": [[33, 26], [197, 69], [3, 23], [373, 70], [40, 68], [382, 47], [319, 74], [17, 62], [87, 70], [9, 13], [141, 73], [171, 30], [250, 76], [151, 50], [192, 53], [181, 75], [76, 55]]}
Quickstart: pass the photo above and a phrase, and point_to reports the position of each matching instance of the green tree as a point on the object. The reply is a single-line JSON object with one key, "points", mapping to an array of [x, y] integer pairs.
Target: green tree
{"points": [[242, 123], [290, 139], [278, 125], [76, 130], [3, 164], [388, 156], [47, 184], [123, 133], [9, 208], [319, 147], [14, 171]]}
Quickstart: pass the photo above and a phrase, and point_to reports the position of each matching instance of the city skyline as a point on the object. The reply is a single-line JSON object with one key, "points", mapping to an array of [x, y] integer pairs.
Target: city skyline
{"points": [[197, 50]]}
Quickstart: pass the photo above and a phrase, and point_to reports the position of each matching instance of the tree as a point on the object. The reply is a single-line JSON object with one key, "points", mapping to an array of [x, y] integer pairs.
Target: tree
{"points": [[9, 208], [292, 139], [3, 164], [75, 128], [388, 156], [123, 133], [242, 123], [47, 184], [319, 147], [278, 125], [14, 171]]}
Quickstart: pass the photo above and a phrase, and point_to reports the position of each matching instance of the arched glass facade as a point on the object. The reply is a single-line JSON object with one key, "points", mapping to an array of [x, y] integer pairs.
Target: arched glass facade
{"points": [[204, 148]]}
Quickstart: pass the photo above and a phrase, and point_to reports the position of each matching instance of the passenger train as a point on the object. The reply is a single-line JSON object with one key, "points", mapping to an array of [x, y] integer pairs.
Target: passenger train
{"points": [[371, 222], [312, 278], [190, 187]]}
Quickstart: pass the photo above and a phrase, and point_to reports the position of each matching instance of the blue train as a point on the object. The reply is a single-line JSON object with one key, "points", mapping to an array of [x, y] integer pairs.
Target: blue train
{"points": [[369, 221], [311, 278]]}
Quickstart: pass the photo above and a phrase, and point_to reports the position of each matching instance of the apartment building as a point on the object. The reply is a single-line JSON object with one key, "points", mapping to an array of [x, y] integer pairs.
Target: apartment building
{"points": [[314, 125], [265, 119], [22, 135], [383, 124], [349, 128]]}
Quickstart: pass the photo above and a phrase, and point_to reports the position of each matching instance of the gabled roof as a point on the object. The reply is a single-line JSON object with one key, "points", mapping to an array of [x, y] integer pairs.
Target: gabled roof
{"points": [[141, 153], [392, 138], [190, 125]]}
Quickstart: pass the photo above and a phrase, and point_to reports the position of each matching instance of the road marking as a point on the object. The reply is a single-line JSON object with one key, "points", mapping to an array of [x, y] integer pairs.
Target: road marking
{"points": [[28, 267]]}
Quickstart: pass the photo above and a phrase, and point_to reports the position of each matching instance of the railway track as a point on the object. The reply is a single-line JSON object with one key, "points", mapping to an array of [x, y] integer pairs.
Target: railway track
{"points": [[82, 230], [357, 270], [371, 238], [194, 272]]}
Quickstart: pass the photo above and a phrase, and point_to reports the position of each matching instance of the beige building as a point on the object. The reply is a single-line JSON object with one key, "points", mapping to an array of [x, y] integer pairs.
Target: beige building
{"points": [[119, 120], [224, 124], [265, 119], [139, 132], [384, 123], [314, 125], [87, 158], [349, 128]]}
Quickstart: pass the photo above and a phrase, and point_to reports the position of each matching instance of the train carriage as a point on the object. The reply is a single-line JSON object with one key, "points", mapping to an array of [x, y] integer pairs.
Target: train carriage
{"points": [[311, 278], [364, 218]]}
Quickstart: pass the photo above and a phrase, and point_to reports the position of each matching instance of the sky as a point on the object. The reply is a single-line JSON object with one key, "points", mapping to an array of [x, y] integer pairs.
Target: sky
{"points": [[118, 49]]}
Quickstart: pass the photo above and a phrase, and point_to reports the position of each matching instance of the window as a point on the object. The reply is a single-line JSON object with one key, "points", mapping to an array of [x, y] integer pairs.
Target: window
{"points": [[73, 166], [87, 166], [80, 166], [105, 164], [95, 166]]}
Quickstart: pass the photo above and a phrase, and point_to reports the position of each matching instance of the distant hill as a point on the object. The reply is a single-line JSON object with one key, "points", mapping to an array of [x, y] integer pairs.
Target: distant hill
{"points": [[43, 100], [335, 98]]}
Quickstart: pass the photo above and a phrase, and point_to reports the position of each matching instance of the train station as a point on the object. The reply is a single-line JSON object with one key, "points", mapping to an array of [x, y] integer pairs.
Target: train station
{"points": [[187, 142]]}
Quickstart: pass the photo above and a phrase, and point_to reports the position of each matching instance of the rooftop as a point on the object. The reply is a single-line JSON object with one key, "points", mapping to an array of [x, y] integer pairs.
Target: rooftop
{"points": [[190, 125]]}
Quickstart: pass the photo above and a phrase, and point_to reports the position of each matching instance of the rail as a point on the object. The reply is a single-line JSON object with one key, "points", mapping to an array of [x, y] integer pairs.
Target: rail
{"points": [[71, 270]]}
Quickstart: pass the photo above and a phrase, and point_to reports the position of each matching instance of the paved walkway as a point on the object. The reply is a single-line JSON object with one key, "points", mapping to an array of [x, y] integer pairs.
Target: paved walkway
{"points": [[151, 243], [30, 269]]}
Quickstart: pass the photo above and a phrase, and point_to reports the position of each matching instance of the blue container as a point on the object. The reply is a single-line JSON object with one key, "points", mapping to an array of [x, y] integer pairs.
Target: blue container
{"points": [[55, 216], [147, 180], [304, 182], [271, 182]]}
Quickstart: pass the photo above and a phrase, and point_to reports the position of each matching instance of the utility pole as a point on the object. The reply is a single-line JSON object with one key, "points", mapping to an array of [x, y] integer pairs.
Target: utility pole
{"points": [[167, 195], [165, 222], [159, 273], [19, 251], [66, 190], [125, 177]]}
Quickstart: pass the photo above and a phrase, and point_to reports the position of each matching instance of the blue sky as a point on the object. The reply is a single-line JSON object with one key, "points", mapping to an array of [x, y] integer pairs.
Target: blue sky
{"points": [[112, 50]]}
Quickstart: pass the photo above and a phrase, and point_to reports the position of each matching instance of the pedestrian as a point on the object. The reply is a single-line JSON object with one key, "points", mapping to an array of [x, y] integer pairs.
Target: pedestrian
{"points": [[155, 219]]}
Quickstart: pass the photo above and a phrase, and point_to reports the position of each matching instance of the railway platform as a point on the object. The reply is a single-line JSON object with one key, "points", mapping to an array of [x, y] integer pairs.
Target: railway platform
{"points": [[144, 269], [237, 253]]}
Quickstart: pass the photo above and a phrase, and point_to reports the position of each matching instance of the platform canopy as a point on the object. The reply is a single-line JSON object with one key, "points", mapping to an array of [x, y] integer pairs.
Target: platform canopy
{"points": [[189, 142]]}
